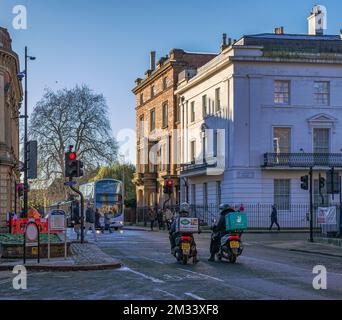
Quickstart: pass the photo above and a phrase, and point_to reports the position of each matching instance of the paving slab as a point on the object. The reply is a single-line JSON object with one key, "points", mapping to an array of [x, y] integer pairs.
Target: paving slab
{"points": [[86, 257]]}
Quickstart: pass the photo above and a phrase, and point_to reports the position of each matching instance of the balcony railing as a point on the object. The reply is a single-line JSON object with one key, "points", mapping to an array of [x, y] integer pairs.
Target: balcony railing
{"points": [[302, 160], [193, 166]]}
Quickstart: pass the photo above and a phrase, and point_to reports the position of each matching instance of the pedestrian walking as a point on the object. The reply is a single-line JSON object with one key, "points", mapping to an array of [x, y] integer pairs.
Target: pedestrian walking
{"points": [[97, 219], [242, 208], [152, 218], [159, 218], [274, 218], [108, 221], [90, 221], [76, 219]]}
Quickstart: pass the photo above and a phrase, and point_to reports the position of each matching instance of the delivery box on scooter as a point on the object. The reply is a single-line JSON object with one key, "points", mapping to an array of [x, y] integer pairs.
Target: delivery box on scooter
{"points": [[236, 221], [190, 225]]}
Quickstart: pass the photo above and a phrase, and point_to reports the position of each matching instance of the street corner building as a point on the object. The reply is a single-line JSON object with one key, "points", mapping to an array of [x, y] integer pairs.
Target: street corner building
{"points": [[259, 116], [157, 119], [10, 99], [252, 121]]}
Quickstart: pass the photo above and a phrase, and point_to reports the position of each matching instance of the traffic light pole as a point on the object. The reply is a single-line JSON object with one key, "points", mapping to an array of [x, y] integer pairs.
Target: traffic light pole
{"points": [[311, 205], [82, 209], [25, 143]]}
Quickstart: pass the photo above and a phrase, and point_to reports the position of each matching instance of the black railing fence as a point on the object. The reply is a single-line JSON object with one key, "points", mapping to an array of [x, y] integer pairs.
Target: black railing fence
{"points": [[304, 160], [293, 217]]}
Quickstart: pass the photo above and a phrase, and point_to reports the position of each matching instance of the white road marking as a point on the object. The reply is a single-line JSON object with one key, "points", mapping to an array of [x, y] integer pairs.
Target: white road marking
{"points": [[167, 293], [156, 261], [145, 276], [202, 274], [189, 294]]}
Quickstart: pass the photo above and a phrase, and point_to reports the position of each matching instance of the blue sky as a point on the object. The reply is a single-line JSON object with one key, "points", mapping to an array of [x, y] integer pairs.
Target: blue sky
{"points": [[106, 43]]}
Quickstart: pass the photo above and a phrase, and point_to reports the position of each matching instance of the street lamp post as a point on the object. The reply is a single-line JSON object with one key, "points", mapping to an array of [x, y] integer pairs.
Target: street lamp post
{"points": [[27, 57]]}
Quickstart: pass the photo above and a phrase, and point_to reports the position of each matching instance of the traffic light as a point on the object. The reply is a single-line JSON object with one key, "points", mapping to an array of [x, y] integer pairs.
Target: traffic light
{"points": [[305, 182], [32, 156], [71, 164], [321, 183], [73, 167], [168, 186], [80, 171]]}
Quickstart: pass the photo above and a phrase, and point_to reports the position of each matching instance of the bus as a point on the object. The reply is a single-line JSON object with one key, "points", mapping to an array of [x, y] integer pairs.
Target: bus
{"points": [[106, 195]]}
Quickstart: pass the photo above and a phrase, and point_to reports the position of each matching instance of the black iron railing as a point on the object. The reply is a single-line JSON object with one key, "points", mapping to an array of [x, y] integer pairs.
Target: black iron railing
{"points": [[289, 216], [302, 160], [193, 166]]}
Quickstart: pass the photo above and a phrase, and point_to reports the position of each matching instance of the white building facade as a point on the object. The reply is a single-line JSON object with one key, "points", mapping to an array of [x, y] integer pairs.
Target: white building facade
{"points": [[268, 108]]}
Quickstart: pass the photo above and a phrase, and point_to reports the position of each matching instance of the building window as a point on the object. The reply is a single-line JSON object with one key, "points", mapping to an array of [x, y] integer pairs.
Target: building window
{"points": [[165, 115], [152, 120], [205, 194], [141, 99], [193, 151], [204, 106], [192, 116], [281, 92], [321, 143], [218, 193], [152, 91], [165, 83], [141, 126], [217, 99], [321, 93], [282, 140], [282, 194]]}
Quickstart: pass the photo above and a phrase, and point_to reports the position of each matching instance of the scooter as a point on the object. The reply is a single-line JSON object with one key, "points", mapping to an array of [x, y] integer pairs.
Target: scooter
{"points": [[231, 247], [185, 248]]}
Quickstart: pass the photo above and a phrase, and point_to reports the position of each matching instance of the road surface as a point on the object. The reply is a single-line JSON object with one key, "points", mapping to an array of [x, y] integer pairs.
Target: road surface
{"points": [[150, 272]]}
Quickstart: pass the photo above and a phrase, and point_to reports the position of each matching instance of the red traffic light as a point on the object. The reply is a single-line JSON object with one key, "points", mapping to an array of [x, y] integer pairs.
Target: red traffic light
{"points": [[72, 156], [170, 182]]}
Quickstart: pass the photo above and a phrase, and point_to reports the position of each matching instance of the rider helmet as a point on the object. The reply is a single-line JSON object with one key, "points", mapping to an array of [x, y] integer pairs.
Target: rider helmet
{"points": [[184, 209], [224, 208]]}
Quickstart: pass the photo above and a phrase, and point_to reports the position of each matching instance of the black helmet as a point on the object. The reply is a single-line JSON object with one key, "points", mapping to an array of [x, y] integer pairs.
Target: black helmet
{"points": [[224, 208]]}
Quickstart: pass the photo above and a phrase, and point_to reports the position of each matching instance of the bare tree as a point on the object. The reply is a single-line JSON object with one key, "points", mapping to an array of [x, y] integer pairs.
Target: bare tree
{"points": [[75, 117]]}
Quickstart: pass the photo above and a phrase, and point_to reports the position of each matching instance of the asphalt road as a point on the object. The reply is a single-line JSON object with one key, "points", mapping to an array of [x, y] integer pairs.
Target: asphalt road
{"points": [[150, 272]]}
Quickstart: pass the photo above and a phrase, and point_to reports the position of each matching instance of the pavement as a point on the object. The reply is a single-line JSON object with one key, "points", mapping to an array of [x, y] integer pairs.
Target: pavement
{"points": [[85, 257], [271, 268]]}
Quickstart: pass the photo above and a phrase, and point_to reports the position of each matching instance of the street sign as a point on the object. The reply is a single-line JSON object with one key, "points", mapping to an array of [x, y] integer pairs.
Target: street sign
{"points": [[31, 238], [32, 232], [70, 183], [57, 220]]}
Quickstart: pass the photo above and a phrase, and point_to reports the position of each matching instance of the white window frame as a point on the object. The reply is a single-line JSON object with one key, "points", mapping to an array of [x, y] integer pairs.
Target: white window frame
{"points": [[318, 96], [275, 92], [282, 206]]}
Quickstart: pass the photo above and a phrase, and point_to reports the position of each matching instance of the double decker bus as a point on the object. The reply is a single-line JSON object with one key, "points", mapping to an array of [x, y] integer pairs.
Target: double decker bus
{"points": [[106, 195]]}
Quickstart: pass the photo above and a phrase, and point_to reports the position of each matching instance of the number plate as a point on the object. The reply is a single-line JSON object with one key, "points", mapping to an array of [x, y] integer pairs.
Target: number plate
{"points": [[235, 245], [185, 246]]}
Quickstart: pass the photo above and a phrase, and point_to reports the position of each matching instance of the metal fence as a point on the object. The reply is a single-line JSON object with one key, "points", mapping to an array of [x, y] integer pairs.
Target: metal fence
{"points": [[293, 217]]}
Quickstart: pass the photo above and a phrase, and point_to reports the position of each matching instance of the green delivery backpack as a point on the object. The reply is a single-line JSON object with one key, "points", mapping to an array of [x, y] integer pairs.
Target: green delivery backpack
{"points": [[236, 221]]}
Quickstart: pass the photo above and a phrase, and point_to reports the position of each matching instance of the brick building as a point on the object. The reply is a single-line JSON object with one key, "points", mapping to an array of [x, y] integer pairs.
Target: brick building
{"points": [[10, 98], [157, 118]]}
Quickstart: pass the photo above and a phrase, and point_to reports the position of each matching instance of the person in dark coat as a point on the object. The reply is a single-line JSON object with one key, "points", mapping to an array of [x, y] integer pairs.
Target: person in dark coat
{"points": [[274, 218], [219, 231]]}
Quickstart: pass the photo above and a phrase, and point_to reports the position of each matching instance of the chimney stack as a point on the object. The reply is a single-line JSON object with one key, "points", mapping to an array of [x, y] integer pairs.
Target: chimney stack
{"points": [[279, 30], [317, 21], [224, 41], [153, 60]]}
